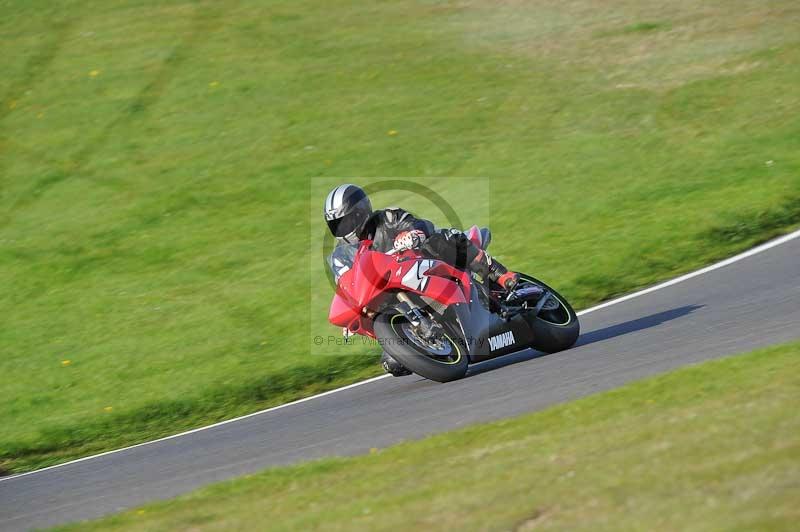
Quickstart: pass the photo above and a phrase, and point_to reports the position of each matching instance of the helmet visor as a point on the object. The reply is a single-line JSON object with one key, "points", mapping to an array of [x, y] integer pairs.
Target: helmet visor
{"points": [[345, 225]]}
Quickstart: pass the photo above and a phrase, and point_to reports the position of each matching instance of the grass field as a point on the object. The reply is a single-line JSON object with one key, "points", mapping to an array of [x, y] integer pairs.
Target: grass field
{"points": [[708, 447], [156, 165]]}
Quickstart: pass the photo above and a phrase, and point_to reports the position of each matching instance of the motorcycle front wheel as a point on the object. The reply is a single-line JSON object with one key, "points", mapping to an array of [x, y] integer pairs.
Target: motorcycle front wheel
{"points": [[442, 360]]}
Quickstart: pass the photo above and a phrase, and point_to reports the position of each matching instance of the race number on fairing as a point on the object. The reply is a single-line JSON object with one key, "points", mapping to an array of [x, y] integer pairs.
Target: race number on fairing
{"points": [[416, 279]]}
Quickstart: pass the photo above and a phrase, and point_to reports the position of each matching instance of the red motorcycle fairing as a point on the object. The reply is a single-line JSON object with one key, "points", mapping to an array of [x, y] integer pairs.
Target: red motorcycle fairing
{"points": [[344, 314], [375, 274]]}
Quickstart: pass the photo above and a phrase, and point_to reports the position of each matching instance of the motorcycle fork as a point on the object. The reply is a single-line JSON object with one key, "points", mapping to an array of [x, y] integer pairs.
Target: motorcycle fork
{"points": [[414, 315]]}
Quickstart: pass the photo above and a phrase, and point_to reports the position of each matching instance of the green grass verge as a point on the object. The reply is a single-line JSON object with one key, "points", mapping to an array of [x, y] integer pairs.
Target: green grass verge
{"points": [[155, 161], [710, 447]]}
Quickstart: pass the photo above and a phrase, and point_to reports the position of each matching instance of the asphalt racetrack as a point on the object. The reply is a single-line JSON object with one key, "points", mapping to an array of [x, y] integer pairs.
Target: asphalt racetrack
{"points": [[747, 303]]}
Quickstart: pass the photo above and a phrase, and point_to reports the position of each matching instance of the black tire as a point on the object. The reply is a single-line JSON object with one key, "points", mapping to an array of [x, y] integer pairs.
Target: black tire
{"points": [[555, 330], [392, 335]]}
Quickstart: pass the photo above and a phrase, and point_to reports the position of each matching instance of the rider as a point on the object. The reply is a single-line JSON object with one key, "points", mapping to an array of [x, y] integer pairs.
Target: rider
{"points": [[349, 215]]}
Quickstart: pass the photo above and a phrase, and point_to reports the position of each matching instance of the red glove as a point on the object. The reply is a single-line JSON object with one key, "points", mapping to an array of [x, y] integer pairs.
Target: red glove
{"points": [[409, 240]]}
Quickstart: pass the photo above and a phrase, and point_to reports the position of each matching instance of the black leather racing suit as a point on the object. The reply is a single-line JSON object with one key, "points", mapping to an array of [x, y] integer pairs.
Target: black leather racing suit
{"points": [[449, 245]]}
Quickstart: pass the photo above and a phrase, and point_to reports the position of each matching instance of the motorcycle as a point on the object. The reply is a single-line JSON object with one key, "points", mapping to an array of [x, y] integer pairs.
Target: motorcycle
{"points": [[436, 319]]}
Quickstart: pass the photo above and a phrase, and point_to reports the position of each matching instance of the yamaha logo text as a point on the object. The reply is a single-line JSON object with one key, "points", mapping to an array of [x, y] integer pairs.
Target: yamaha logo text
{"points": [[501, 340]]}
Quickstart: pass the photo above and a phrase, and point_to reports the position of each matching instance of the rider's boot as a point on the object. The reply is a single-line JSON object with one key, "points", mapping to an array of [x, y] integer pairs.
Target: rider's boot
{"points": [[488, 268], [392, 366]]}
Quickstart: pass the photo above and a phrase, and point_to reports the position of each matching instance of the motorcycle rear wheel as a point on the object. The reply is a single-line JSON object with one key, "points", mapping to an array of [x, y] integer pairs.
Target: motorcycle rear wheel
{"points": [[554, 330], [443, 363]]}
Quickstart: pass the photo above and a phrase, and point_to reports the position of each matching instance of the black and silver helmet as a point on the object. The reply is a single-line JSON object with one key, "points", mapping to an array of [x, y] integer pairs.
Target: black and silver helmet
{"points": [[347, 208]]}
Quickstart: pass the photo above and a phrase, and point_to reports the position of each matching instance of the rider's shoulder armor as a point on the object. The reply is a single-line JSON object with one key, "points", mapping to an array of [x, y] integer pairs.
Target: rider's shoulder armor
{"points": [[394, 215]]}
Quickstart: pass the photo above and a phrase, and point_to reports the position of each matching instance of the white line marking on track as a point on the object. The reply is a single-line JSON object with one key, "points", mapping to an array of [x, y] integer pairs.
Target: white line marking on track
{"points": [[186, 433], [727, 262]]}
